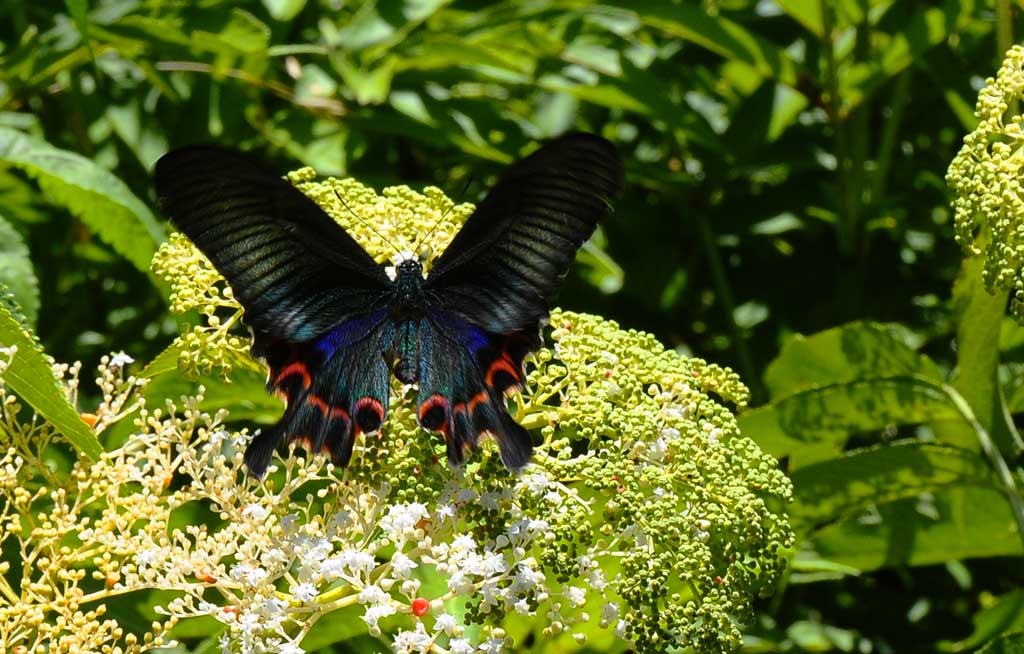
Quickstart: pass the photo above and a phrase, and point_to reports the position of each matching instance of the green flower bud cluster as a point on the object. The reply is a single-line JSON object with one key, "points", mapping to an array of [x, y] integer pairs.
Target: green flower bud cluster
{"points": [[986, 178]]}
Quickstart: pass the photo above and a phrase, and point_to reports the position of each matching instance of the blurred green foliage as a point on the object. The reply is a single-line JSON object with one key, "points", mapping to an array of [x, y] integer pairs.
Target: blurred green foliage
{"points": [[785, 176]]}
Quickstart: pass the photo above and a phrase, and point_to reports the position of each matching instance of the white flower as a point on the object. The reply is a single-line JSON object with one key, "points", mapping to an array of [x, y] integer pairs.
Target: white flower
{"points": [[355, 560], [250, 623], [402, 565], [411, 587], [493, 646], [536, 483], [553, 497], [250, 574], [445, 511], [147, 558], [522, 607], [714, 435], [373, 594], [342, 519], [609, 614], [489, 500], [290, 648], [376, 612], [305, 592], [464, 542], [527, 579], [403, 517], [460, 646], [446, 623], [120, 360], [620, 628], [577, 596], [491, 595], [413, 641], [255, 512], [273, 557], [657, 448]]}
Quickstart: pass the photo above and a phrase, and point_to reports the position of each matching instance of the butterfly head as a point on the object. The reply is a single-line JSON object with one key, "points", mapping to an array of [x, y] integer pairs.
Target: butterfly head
{"points": [[408, 278]]}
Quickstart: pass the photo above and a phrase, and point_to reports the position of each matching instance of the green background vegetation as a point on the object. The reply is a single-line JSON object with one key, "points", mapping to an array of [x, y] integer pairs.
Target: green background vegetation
{"points": [[785, 175]]}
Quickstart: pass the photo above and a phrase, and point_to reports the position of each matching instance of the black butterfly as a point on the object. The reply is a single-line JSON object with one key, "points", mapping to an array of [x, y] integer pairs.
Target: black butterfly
{"points": [[329, 321]]}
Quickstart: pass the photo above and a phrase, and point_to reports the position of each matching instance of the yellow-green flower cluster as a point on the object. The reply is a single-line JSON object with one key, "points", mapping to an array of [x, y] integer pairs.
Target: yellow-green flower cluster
{"points": [[645, 521], [986, 177]]}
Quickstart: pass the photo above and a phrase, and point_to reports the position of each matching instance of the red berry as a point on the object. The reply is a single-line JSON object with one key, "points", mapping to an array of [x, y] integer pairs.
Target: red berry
{"points": [[420, 606]]}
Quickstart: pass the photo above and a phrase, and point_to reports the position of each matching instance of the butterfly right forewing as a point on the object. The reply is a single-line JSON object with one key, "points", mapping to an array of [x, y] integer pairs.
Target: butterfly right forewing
{"points": [[493, 285]]}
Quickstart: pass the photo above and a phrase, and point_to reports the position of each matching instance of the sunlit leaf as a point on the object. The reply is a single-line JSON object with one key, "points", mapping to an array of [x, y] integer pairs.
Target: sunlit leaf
{"points": [[716, 33], [844, 486], [16, 271], [815, 425], [850, 352], [957, 523], [31, 378], [99, 198]]}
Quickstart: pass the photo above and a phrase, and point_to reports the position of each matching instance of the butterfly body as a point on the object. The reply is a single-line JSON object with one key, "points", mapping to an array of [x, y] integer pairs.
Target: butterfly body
{"points": [[333, 326]]}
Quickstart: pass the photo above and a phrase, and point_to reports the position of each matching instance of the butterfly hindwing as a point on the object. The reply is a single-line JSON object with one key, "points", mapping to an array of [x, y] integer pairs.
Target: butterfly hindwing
{"points": [[503, 267], [282, 254], [336, 388], [465, 373]]}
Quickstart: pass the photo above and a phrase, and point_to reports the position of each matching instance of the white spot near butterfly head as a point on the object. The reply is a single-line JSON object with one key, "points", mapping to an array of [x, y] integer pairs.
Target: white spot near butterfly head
{"points": [[404, 255]]}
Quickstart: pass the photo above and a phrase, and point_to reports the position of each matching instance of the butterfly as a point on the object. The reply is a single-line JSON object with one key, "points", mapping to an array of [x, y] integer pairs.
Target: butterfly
{"points": [[331, 324]]}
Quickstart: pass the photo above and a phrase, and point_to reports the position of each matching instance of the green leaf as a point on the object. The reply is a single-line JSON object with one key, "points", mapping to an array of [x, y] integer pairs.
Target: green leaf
{"points": [[957, 523], [805, 12], [1005, 615], [16, 271], [979, 317], [815, 425], [838, 488], [30, 376], [907, 43], [102, 200], [716, 33], [853, 351], [598, 267], [1008, 644], [245, 397], [237, 32], [369, 86], [284, 10]]}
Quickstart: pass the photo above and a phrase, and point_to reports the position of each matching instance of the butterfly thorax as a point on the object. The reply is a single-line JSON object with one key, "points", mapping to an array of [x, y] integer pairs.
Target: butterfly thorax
{"points": [[408, 291], [406, 311]]}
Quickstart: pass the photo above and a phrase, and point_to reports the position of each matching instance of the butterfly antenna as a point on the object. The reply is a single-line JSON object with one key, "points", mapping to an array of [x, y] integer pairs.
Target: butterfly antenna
{"points": [[443, 216], [360, 219]]}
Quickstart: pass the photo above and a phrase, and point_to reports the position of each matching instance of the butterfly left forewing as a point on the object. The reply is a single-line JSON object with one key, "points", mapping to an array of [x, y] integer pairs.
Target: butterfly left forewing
{"points": [[296, 271], [312, 295]]}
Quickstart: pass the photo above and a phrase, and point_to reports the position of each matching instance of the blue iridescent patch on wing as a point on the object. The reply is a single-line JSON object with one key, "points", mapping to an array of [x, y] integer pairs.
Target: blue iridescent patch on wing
{"points": [[473, 337], [349, 332]]}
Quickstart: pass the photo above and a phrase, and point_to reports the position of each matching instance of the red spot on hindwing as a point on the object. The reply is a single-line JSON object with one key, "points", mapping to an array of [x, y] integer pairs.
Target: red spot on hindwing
{"points": [[295, 368], [502, 374], [477, 399], [433, 413], [369, 414]]}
